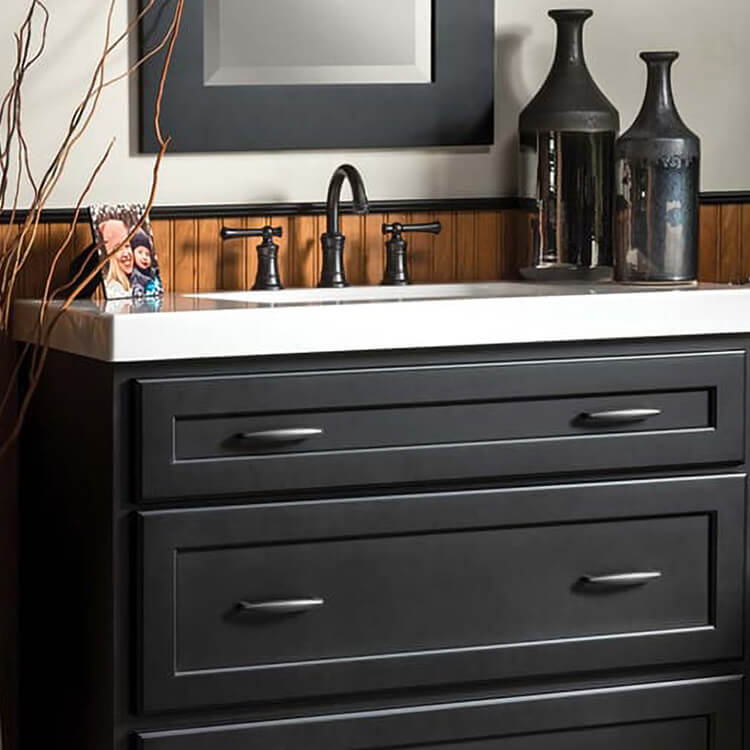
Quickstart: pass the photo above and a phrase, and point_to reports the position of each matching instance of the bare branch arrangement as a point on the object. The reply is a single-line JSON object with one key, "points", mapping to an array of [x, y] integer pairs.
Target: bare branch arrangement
{"points": [[18, 238]]}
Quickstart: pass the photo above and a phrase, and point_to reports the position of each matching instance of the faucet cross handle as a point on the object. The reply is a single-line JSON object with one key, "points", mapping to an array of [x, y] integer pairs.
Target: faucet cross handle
{"points": [[397, 229], [267, 232], [268, 277], [396, 271]]}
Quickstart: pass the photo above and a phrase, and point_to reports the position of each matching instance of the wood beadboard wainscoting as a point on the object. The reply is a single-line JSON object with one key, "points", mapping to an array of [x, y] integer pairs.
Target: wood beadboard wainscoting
{"points": [[475, 245]]}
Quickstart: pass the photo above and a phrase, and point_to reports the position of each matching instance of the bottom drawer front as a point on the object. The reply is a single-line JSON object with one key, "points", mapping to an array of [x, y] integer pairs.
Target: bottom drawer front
{"points": [[694, 715], [420, 592], [314, 598]]}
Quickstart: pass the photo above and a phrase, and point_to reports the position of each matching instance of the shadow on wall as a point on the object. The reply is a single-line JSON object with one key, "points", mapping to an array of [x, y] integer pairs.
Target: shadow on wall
{"points": [[511, 97]]}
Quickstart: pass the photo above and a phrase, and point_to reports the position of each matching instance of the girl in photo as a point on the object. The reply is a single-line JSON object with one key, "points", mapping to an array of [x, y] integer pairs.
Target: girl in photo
{"points": [[117, 283], [120, 267]]}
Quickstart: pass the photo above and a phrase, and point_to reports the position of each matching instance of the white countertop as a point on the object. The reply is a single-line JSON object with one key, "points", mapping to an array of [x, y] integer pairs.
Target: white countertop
{"points": [[246, 324]]}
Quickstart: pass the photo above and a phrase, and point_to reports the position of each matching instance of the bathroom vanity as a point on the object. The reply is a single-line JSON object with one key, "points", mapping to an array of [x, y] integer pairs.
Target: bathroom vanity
{"points": [[483, 516]]}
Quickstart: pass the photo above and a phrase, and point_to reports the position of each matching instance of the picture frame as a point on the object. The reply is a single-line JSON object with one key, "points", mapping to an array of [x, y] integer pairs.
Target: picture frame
{"points": [[133, 271]]}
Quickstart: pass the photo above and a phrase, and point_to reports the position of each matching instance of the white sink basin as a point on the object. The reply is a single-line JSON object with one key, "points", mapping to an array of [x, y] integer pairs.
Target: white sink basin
{"points": [[374, 293]]}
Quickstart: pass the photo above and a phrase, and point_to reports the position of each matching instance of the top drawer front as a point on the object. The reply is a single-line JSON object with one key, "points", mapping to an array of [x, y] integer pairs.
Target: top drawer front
{"points": [[344, 428]]}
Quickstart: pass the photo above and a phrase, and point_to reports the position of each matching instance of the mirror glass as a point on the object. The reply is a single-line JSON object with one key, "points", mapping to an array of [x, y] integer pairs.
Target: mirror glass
{"points": [[308, 42]]}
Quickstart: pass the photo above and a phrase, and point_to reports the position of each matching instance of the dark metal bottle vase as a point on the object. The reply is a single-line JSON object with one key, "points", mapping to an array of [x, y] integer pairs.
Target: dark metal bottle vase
{"points": [[658, 188], [572, 225], [567, 139]]}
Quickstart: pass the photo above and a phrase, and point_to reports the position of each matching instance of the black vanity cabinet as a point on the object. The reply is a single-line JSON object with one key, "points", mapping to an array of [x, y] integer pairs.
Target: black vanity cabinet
{"points": [[515, 548]]}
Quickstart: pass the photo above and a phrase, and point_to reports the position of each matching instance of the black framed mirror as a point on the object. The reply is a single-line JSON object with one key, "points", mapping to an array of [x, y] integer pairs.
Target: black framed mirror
{"points": [[253, 75]]}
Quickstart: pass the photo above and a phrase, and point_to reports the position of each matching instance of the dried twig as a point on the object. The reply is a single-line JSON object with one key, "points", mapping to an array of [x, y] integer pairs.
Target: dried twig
{"points": [[18, 239]]}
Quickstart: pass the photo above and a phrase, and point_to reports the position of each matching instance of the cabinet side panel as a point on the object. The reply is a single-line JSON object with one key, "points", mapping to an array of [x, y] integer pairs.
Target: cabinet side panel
{"points": [[66, 558], [8, 564]]}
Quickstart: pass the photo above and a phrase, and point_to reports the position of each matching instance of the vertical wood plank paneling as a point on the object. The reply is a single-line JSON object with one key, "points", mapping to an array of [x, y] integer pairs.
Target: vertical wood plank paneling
{"points": [[285, 256], [28, 279], [43, 258], [295, 254], [746, 242], [421, 248], [232, 260], [83, 236], [397, 218], [31, 276], [247, 250], [185, 255], [7, 233], [363, 229], [306, 251], [466, 246], [488, 246], [209, 255], [354, 251], [508, 232], [250, 250], [56, 234], [730, 242], [709, 244], [516, 239], [163, 233], [519, 242], [444, 255], [374, 249], [56, 237]]}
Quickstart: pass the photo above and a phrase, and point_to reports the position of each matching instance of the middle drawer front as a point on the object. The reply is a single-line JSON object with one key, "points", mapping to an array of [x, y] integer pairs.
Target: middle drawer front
{"points": [[273, 602]]}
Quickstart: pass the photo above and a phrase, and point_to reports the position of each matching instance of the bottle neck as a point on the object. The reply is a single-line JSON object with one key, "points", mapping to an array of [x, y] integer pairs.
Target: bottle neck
{"points": [[570, 42], [659, 96]]}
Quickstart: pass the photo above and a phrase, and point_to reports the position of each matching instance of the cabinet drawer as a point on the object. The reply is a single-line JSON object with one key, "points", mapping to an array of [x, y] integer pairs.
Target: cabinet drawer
{"points": [[345, 428], [279, 601], [697, 715]]}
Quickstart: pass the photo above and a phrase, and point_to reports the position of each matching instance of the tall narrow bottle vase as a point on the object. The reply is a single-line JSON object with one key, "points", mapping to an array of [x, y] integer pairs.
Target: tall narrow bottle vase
{"points": [[567, 136], [658, 187]]}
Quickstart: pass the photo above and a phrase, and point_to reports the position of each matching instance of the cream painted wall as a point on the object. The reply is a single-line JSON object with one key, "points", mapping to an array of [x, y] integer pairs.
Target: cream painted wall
{"points": [[712, 82]]}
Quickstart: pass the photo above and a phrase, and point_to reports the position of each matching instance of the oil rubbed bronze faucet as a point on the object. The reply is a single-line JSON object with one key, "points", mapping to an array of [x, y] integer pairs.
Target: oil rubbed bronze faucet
{"points": [[332, 275], [267, 277]]}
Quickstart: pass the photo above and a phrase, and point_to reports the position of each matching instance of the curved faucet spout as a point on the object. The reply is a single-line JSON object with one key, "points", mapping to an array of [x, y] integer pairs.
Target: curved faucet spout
{"points": [[332, 273], [361, 205]]}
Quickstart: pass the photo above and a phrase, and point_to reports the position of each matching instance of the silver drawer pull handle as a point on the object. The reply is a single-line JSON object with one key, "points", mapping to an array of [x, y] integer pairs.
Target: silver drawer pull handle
{"points": [[621, 580], [282, 436], [620, 416], [281, 606]]}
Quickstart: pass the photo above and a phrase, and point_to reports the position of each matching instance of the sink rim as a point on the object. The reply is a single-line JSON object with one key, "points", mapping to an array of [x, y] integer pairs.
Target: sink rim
{"points": [[303, 295]]}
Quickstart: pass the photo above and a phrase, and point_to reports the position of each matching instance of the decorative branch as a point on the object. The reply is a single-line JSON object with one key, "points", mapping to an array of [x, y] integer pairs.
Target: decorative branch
{"points": [[18, 239]]}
